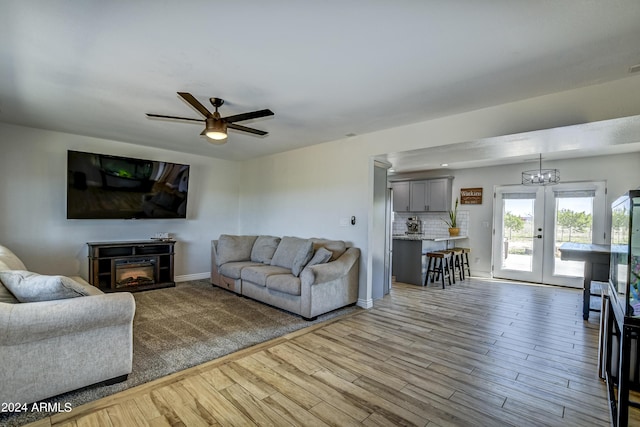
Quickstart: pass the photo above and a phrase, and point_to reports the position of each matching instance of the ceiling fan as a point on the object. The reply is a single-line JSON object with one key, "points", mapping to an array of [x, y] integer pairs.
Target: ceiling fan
{"points": [[215, 125]]}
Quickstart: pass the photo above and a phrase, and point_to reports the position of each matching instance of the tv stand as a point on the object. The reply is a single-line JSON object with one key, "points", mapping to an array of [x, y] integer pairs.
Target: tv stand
{"points": [[132, 265]]}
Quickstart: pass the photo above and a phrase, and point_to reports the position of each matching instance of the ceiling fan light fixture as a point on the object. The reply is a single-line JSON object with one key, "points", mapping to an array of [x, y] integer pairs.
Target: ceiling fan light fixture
{"points": [[216, 131], [216, 126], [217, 135]]}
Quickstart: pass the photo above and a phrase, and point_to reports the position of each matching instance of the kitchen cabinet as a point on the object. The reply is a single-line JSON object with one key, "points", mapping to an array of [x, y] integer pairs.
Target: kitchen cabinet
{"points": [[419, 196], [431, 195], [425, 195], [439, 195], [401, 196]]}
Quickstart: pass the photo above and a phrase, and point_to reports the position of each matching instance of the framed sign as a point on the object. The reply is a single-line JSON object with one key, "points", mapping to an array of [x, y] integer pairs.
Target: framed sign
{"points": [[471, 196]]}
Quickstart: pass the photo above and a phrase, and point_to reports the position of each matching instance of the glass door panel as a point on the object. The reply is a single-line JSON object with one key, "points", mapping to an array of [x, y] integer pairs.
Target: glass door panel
{"points": [[574, 212], [574, 223], [517, 233]]}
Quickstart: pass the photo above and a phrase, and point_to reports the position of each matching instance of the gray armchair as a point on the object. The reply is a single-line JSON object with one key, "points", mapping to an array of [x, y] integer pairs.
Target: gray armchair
{"points": [[52, 347]]}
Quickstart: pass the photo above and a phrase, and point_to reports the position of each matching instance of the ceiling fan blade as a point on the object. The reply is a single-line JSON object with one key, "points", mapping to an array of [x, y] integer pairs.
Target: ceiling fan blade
{"points": [[247, 116], [159, 116], [246, 129], [195, 103]]}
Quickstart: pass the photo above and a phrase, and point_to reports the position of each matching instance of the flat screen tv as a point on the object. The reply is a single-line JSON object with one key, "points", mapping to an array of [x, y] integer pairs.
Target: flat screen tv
{"points": [[100, 186]]}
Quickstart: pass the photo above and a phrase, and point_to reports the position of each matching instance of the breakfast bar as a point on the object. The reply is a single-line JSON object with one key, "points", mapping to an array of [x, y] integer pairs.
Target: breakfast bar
{"points": [[409, 263]]}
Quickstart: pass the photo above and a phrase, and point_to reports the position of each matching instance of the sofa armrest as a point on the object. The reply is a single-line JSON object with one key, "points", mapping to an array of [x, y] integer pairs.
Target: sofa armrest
{"points": [[215, 274], [35, 321], [333, 270], [214, 253]]}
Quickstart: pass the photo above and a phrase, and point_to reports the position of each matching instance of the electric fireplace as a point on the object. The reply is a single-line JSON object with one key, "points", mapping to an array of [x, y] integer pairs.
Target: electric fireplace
{"points": [[131, 266], [135, 272]]}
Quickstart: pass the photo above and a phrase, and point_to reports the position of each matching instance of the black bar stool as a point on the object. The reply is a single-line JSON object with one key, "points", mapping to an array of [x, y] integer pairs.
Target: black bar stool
{"points": [[438, 267], [456, 263], [465, 261]]}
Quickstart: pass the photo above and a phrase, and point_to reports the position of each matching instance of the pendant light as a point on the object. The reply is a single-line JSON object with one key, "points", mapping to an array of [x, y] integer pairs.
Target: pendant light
{"points": [[541, 176]]}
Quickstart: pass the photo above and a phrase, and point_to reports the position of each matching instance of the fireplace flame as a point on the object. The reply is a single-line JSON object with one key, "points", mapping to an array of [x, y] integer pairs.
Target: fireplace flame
{"points": [[134, 275]]}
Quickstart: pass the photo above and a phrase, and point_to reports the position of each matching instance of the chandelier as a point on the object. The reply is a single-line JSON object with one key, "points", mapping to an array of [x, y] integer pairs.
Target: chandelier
{"points": [[541, 176]]}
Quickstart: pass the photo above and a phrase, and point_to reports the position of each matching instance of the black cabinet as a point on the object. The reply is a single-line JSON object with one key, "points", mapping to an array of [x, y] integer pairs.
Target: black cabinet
{"points": [[622, 316], [131, 266]]}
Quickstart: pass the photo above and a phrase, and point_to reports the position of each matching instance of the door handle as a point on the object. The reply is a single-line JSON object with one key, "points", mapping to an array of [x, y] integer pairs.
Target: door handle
{"points": [[539, 236]]}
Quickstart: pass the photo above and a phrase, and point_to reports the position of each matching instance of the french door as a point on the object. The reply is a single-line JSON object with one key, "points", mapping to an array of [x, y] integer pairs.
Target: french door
{"points": [[530, 224]]}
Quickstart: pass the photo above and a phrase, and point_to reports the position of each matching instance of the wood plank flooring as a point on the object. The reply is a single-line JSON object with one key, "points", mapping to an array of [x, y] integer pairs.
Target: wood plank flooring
{"points": [[479, 353]]}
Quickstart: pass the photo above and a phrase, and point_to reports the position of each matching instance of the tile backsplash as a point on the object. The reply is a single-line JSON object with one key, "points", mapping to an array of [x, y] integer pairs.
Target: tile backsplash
{"points": [[433, 225]]}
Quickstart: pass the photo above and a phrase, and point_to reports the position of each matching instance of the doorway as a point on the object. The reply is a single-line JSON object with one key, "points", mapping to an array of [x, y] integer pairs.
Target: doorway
{"points": [[381, 232], [530, 224]]}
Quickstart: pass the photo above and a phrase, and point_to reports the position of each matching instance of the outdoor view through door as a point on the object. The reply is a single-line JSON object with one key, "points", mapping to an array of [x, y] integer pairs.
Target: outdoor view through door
{"points": [[530, 224]]}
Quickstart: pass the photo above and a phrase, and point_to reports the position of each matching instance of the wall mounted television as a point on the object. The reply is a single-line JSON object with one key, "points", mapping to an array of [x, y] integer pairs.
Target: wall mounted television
{"points": [[101, 186]]}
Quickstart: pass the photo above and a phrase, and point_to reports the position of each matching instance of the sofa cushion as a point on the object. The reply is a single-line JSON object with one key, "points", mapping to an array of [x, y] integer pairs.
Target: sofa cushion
{"points": [[337, 247], [302, 257], [232, 269], [321, 256], [264, 248], [84, 287], [31, 287], [234, 248], [258, 274], [285, 283], [287, 251], [10, 260]]}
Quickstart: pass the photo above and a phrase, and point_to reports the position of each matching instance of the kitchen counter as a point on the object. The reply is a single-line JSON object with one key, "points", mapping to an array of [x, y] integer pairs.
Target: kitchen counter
{"points": [[426, 237], [409, 260]]}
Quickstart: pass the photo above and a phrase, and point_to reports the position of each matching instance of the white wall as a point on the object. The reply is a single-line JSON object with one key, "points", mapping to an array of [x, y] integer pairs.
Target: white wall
{"points": [[33, 220], [305, 192]]}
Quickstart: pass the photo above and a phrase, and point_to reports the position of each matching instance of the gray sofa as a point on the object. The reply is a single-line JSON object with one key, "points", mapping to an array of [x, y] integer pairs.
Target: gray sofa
{"points": [[307, 277], [64, 335]]}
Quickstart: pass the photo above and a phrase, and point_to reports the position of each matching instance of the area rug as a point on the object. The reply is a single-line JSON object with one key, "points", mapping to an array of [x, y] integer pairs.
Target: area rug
{"points": [[177, 328]]}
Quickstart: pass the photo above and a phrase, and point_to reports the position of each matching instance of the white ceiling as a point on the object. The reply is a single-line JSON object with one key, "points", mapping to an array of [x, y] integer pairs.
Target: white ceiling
{"points": [[327, 69]]}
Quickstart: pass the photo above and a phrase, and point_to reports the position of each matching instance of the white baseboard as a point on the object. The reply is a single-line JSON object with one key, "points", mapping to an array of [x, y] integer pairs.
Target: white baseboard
{"points": [[197, 276], [365, 303]]}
